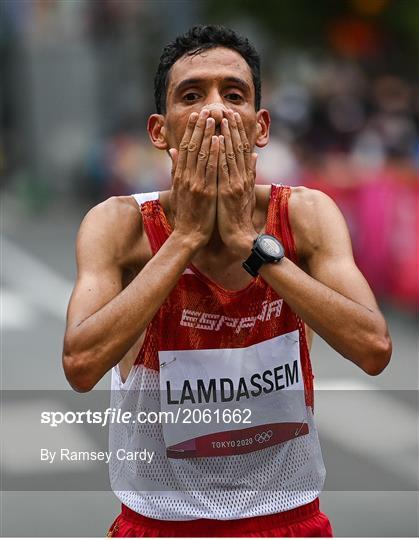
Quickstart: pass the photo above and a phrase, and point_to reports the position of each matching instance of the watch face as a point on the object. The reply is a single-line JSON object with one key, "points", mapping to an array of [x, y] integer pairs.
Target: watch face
{"points": [[270, 246]]}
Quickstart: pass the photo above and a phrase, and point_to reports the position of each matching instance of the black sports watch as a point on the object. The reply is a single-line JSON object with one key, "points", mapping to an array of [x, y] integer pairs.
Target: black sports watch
{"points": [[266, 249]]}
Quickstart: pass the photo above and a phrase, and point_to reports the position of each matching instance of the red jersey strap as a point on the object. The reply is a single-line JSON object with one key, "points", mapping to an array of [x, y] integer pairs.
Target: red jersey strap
{"points": [[155, 224], [277, 222]]}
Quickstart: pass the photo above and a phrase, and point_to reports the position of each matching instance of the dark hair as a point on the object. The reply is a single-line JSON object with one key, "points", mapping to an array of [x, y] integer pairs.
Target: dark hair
{"points": [[195, 40]]}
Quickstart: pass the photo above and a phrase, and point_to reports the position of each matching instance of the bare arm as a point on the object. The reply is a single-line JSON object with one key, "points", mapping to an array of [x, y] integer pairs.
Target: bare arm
{"points": [[104, 320], [333, 298]]}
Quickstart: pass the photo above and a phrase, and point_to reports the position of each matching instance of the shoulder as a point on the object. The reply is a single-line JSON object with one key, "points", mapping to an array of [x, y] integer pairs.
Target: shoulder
{"points": [[114, 226], [304, 199], [314, 218]]}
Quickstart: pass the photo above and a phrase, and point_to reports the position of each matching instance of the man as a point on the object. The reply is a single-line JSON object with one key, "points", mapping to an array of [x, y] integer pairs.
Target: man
{"points": [[201, 292]]}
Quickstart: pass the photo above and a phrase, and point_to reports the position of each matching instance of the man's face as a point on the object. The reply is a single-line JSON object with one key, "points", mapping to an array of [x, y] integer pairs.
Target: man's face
{"points": [[217, 79]]}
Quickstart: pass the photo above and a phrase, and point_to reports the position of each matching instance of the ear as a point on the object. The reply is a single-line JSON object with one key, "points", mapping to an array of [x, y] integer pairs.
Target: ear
{"points": [[157, 131], [263, 120]]}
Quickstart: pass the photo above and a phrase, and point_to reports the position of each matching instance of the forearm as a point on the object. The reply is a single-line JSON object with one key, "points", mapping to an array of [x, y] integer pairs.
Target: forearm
{"points": [[98, 343], [355, 331]]}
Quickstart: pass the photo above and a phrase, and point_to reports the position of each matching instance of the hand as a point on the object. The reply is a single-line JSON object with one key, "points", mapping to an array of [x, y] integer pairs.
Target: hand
{"points": [[193, 197], [236, 186]]}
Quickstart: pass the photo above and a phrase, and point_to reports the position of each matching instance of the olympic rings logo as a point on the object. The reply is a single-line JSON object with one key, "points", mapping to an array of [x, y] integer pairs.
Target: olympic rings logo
{"points": [[263, 437]]}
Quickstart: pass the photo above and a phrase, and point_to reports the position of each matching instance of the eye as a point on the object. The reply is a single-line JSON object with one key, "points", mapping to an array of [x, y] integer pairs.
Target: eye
{"points": [[233, 96], [190, 96]]}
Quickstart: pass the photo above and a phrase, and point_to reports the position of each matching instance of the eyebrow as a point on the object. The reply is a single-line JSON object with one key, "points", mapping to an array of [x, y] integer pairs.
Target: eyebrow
{"points": [[192, 81]]}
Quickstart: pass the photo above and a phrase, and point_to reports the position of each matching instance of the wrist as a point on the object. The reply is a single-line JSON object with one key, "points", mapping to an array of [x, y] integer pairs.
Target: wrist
{"points": [[243, 245], [188, 242], [271, 269]]}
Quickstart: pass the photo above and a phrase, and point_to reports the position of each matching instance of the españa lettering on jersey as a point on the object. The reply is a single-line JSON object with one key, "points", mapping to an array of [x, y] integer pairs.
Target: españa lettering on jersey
{"points": [[214, 322]]}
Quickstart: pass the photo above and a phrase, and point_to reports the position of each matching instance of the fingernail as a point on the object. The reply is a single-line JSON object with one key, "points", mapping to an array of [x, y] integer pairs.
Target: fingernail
{"points": [[225, 122], [236, 116], [209, 122], [194, 116], [204, 113]]}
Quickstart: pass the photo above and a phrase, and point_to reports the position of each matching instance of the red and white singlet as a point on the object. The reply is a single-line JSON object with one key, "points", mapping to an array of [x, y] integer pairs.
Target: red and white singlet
{"points": [[231, 370]]}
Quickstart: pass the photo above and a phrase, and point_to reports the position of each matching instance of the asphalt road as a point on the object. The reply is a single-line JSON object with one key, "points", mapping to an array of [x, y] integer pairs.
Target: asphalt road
{"points": [[368, 426]]}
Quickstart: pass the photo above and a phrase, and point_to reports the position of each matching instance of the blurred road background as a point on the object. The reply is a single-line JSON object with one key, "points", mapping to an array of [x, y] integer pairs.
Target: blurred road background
{"points": [[341, 82]]}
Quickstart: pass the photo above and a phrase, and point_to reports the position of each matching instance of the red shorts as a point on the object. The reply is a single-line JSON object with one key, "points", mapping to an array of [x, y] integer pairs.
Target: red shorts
{"points": [[305, 521]]}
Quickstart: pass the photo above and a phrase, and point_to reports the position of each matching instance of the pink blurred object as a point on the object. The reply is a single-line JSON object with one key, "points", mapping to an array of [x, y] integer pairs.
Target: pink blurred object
{"points": [[387, 246], [381, 209], [404, 248]]}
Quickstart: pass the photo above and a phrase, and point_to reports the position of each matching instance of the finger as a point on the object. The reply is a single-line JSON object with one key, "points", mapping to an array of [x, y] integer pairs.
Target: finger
{"points": [[244, 140], [236, 140], [183, 147], [212, 164], [229, 151], [196, 140], [223, 171], [204, 151]]}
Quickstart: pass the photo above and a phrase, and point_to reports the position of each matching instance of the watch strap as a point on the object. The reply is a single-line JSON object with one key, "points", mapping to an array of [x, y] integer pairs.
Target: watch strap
{"points": [[253, 263]]}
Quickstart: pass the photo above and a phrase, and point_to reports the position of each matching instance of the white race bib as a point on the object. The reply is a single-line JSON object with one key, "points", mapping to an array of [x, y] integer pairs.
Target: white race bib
{"points": [[232, 401]]}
